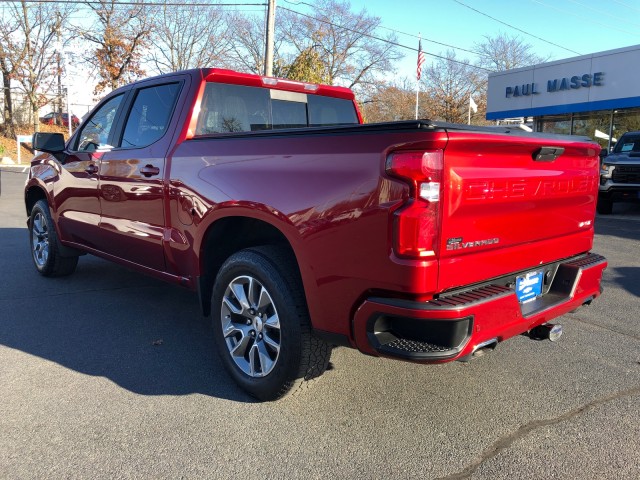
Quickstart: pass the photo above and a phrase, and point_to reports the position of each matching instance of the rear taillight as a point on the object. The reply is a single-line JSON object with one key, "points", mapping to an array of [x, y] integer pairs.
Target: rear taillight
{"points": [[416, 224]]}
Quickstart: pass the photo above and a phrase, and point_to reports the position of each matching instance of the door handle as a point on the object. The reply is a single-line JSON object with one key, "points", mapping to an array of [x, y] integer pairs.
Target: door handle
{"points": [[149, 170], [91, 169]]}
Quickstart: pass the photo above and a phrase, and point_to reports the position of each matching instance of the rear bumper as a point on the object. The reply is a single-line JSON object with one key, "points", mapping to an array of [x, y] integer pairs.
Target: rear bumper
{"points": [[457, 323]]}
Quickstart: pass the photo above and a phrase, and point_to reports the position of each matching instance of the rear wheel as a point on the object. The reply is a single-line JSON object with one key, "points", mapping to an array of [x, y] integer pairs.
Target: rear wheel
{"points": [[261, 324], [45, 250]]}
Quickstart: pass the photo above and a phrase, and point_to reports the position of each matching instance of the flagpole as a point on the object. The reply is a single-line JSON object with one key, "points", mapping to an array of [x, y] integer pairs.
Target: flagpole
{"points": [[472, 106], [417, 91], [418, 77]]}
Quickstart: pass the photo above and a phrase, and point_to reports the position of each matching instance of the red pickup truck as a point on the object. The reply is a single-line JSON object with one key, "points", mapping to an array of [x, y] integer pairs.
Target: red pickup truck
{"points": [[301, 228]]}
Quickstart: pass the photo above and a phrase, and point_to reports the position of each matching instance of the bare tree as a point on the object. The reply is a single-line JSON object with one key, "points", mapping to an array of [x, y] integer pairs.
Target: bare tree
{"points": [[505, 52], [341, 38], [190, 37], [120, 35], [8, 63], [248, 45], [396, 102], [450, 85], [28, 51], [498, 53], [334, 36]]}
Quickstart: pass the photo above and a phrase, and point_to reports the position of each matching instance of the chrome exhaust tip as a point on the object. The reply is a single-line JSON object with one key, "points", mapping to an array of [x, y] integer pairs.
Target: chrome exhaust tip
{"points": [[485, 347], [546, 331]]}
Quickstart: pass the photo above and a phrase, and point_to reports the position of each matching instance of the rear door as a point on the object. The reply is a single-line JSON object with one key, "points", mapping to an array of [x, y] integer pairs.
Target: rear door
{"points": [[512, 203]]}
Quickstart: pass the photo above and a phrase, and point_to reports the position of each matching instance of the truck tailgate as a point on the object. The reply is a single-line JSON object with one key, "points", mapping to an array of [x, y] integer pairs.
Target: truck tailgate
{"points": [[510, 205]]}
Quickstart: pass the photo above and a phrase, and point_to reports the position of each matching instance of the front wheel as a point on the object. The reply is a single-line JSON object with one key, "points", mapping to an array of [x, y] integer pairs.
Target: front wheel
{"points": [[261, 324], [44, 244], [604, 205]]}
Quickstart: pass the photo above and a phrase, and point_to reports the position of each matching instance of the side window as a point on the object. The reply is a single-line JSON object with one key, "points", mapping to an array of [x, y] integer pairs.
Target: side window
{"points": [[150, 115], [233, 108], [96, 131]]}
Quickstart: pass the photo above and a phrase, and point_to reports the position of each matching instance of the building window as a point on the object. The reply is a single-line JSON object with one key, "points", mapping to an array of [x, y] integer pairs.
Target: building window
{"points": [[555, 124], [594, 125], [625, 121]]}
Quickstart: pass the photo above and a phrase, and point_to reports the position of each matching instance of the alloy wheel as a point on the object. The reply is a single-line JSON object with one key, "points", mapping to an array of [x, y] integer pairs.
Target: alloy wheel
{"points": [[40, 239], [250, 326]]}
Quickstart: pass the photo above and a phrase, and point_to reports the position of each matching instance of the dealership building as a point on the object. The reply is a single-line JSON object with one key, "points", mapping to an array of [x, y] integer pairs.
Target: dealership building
{"points": [[596, 95]]}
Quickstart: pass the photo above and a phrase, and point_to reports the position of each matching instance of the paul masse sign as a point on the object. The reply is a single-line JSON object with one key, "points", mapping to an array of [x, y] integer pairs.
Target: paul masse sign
{"points": [[558, 84], [599, 81]]}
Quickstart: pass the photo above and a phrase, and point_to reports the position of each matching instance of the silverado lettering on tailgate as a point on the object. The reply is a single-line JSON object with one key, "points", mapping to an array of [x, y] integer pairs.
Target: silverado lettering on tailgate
{"points": [[458, 244]]}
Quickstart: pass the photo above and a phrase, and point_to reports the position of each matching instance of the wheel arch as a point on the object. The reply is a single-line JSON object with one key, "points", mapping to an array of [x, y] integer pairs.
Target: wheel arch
{"points": [[33, 193], [230, 234]]}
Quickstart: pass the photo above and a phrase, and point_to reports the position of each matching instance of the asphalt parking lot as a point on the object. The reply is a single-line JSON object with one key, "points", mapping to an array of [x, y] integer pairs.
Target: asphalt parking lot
{"points": [[110, 374]]}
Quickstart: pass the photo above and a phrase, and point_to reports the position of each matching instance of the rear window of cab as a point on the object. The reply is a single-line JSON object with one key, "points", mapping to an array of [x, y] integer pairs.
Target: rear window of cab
{"points": [[236, 108]]}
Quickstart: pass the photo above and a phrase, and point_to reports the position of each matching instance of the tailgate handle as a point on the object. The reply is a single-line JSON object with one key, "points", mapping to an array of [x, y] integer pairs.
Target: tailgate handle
{"points": [[547, 154]]}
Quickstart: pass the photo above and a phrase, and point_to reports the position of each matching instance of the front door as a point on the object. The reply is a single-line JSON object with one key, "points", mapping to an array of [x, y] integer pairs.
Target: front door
{"points": [[76, 191]]}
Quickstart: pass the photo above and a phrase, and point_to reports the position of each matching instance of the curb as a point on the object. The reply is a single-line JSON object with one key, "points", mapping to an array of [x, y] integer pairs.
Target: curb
{"points": [[17, 168]]}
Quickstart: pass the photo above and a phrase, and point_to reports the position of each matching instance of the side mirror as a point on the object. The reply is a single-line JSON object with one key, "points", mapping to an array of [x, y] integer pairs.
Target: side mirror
{"points": [[603, 153], [48, 142]]}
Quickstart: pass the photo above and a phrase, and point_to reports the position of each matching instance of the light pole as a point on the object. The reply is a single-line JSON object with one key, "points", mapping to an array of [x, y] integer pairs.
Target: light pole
{"points": [[69, 116], [67, 79]]}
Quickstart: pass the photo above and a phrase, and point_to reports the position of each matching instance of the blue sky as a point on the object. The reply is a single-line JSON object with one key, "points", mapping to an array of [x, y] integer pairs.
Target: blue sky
{"points": [[582, 26]]}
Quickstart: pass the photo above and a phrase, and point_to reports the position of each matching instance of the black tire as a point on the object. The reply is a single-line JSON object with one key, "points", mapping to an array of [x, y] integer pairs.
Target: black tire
{"points": [[300, 356], [45, 249], [604, 206]]}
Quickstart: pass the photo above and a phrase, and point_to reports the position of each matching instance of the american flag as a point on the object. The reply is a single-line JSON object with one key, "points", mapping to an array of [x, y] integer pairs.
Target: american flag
{"points": [[420, 59]]}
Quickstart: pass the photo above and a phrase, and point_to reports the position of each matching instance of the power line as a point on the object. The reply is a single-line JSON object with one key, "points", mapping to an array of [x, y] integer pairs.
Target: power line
{"points": [[627, 5], [384, 40], [435, 41], [588, 19], [600, 12], [374, 37], [141, 3], [406, 33], [515, 28]]}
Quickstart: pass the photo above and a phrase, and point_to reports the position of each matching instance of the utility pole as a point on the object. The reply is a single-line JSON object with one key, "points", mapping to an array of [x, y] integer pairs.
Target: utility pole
{"points": [[59, 46], [268, 51]]}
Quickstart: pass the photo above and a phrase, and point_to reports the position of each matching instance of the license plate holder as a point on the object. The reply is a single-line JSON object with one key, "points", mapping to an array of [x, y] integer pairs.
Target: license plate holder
{"points": [[529, 286]]}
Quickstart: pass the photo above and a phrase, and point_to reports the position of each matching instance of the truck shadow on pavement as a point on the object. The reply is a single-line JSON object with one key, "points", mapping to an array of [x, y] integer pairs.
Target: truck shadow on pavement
{"points": [[620, 230], [104, 320], [627, 278], [618, 227]]}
